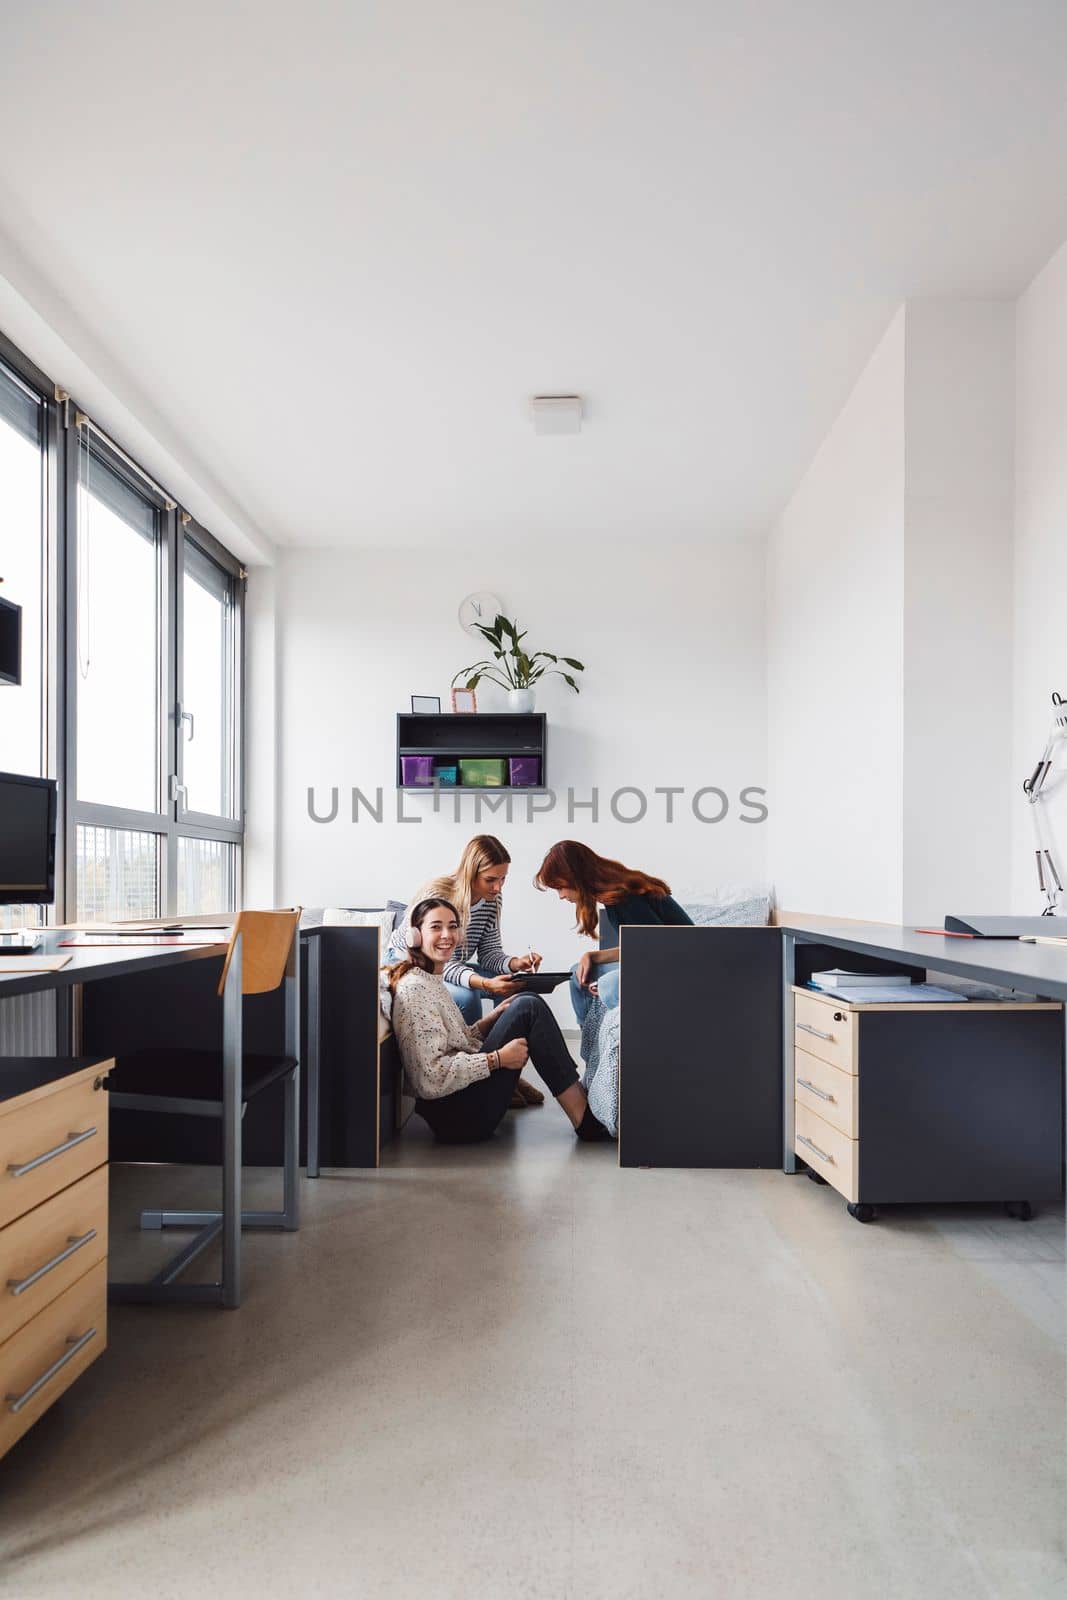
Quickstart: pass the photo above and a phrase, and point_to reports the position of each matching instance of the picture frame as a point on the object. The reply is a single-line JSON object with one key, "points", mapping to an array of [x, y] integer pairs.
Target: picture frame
{"points": [[464, 701], [426, 705]]}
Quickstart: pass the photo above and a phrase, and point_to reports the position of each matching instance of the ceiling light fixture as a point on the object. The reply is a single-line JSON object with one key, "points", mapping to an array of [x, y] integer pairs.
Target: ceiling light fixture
{"points": [[557, 413]]}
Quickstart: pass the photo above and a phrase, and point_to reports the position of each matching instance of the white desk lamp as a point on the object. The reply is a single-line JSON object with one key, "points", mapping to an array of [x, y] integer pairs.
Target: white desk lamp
{"points": [[1048, 876]]}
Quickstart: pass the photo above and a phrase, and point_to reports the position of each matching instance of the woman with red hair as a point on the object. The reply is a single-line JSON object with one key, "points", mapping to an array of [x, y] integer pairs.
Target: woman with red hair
{"points": [[628, 896]]}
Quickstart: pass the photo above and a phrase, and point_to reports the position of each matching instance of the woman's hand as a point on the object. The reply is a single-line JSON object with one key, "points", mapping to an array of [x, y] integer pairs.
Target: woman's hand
{"points": [[585, 971], [513, 1055], [528, 963], [502, 985]]}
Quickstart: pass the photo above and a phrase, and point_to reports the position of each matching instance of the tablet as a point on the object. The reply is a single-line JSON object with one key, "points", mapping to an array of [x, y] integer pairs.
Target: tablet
{"points": [[540, 982]]}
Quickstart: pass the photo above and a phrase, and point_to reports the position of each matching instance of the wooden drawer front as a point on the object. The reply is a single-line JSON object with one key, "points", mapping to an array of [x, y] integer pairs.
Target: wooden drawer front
{"points": [[827, 1091], [44, 1252], [828, 1151], [52, 1347], [820, 1033], [47, 1144]]}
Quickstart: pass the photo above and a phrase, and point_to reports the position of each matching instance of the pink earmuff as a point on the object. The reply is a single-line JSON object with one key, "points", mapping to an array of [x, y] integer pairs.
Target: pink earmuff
{"points": [[413, 938]]}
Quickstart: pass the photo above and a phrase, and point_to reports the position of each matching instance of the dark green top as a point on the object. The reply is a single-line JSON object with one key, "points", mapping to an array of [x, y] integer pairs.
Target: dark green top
{"points": [[645, 909]]}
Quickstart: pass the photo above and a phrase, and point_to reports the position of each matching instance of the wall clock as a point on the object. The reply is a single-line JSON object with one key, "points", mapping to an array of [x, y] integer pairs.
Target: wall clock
{"points": [[481, 609]]}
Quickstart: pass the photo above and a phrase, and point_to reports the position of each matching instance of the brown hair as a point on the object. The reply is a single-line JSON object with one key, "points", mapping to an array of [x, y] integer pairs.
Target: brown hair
{"points": [[570, 865], [417, 958]]}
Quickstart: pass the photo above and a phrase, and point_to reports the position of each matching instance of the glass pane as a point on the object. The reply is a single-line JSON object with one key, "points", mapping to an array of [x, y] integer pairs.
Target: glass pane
{"points": [[118, 874], [207, 874], [118, 637], [22, 567], [207, 694]]}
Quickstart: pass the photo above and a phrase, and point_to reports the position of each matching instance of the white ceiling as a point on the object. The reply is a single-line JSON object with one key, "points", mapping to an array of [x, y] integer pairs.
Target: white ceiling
{"points": [[340, 245]]}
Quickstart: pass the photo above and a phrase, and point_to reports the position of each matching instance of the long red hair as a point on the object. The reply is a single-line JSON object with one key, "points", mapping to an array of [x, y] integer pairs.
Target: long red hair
{"points": [[570, 865]]}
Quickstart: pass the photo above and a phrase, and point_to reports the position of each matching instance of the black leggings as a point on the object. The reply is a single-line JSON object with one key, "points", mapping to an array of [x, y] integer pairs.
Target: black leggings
{"points": [[475, 1113]]}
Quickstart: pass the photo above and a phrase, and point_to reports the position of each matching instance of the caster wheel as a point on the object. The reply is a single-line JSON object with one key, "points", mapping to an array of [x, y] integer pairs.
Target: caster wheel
{"points": [[1021, 1210], [862, 1213], [816, 1177]]}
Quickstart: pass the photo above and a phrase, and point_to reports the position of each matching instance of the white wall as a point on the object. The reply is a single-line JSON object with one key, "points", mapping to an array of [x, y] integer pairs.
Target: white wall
{"points": [[835, 577], [1040, 557], [672, 639], [957, 607], [889, 633]]}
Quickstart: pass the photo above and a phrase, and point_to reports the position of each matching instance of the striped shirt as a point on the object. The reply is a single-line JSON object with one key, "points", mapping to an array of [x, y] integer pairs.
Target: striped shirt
{"points": [[481, 944]]}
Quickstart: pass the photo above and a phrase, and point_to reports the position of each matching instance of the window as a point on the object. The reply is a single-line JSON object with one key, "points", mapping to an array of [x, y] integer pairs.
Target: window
{"points": [[24, 568], [118, 627], [156, 691], [132, 685]]}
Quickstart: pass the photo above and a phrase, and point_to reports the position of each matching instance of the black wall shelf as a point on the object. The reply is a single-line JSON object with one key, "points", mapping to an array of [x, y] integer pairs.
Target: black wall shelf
{"points": [[449, 738]]}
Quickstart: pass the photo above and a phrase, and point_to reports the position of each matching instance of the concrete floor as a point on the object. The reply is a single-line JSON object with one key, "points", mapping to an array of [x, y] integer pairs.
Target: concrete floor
{"points": [[515, 1371]]}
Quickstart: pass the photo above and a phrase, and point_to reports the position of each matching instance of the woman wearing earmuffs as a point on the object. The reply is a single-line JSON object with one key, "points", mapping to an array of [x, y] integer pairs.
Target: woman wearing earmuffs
{"points": [[463, 1078]]}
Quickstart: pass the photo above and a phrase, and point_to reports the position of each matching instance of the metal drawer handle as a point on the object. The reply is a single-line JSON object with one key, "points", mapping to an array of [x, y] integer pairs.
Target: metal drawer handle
{"points": [[74, 1244], [806, 1027], [820, 1153], [806, 1083], [50, 1155], [17, 1401]]}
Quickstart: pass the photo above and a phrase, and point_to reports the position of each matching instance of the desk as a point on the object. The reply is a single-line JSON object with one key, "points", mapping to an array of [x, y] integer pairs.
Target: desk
{"points": [[91, 965], [808, 945]]}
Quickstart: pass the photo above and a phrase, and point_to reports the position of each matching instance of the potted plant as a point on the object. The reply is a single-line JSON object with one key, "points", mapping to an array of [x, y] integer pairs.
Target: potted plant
{"points": [[512, 667]]}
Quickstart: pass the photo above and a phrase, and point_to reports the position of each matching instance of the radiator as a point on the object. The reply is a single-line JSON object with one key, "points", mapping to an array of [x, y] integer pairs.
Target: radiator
{"points": [[28, 1025]]}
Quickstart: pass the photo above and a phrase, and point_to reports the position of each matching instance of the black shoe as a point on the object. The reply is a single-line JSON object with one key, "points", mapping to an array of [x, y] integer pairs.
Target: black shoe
{"points": [[590, 1130]]}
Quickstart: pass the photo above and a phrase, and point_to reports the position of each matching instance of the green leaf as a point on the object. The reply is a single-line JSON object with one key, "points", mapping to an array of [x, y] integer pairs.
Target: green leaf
{"points": [[577, 665], [568, 679]]}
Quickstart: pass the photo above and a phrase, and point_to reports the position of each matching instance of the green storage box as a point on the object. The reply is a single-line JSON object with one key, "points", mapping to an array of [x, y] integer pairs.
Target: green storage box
{"points": [[483, 772]]}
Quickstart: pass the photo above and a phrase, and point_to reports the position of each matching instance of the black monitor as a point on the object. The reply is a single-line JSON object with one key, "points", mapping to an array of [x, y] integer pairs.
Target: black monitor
{"points": [[27, 840]]}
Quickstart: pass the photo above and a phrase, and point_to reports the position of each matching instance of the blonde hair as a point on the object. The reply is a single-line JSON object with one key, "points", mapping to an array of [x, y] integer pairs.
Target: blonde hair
{"points": [[483, 851]]}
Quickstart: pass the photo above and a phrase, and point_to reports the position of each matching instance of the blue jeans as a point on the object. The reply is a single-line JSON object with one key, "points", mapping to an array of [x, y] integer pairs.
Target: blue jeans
{"points": [[607, 982], [469, 1001]]}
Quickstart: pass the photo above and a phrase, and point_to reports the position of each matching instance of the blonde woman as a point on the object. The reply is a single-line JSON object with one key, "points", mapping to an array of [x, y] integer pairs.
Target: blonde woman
{"points": [[477, 965]]}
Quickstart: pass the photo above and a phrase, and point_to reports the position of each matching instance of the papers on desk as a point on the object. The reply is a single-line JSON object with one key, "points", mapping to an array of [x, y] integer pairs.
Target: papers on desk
{"points": [[32, 963], [899, 994]]}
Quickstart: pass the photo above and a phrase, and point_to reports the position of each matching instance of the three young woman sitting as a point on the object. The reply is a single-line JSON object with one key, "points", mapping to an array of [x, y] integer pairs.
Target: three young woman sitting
{"points": [[465, 1069]]}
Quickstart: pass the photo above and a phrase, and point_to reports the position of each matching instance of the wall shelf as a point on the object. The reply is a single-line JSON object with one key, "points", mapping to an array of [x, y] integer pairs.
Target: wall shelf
{"points": [[448, 738]]}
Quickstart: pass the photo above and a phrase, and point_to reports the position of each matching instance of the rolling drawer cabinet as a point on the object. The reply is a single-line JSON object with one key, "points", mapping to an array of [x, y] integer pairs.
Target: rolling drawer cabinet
{"points": [[913, 1103], [53, 1232]]}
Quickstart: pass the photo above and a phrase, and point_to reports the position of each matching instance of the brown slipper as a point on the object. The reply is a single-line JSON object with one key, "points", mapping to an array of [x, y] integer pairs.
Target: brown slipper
{"points": [[526, 1095]]}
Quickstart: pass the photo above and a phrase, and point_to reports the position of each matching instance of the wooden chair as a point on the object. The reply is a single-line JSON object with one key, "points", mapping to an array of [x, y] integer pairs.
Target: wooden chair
{"points": [[263, 951]]}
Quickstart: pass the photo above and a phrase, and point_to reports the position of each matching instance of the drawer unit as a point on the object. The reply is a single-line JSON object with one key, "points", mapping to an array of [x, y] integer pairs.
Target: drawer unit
{"points": [[43, 1359], [913, 1103], [829, 1092], [53, 1230], [47, 1249], [825, 1029], [50, 1139]]}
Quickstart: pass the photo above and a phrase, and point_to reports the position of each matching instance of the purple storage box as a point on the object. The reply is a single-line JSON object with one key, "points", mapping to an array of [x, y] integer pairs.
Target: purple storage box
{"points": [[524, 771], [417, 771]]}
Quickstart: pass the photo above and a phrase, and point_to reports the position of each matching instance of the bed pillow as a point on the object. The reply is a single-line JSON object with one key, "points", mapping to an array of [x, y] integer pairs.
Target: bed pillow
{"points": [[344, 917]]}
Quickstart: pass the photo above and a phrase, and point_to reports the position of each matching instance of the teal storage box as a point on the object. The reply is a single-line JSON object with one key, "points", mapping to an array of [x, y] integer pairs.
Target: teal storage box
{"points": [[483, 772], [447, 776]]}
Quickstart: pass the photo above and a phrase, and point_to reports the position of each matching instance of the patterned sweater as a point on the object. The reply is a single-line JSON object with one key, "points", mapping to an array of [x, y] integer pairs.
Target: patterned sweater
{"points": [[440, 1053], [481, 944]]}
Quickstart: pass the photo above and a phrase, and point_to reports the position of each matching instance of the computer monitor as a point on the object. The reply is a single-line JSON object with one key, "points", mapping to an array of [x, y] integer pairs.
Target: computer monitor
{"points": [[27, 840]]}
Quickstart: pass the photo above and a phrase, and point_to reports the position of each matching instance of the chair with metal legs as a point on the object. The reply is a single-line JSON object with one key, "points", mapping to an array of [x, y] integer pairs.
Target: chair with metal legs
{"points": [[263, 952]]}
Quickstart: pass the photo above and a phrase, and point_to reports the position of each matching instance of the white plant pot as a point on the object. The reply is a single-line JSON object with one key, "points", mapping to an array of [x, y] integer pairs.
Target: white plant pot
{"points": [[520, 699]]}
